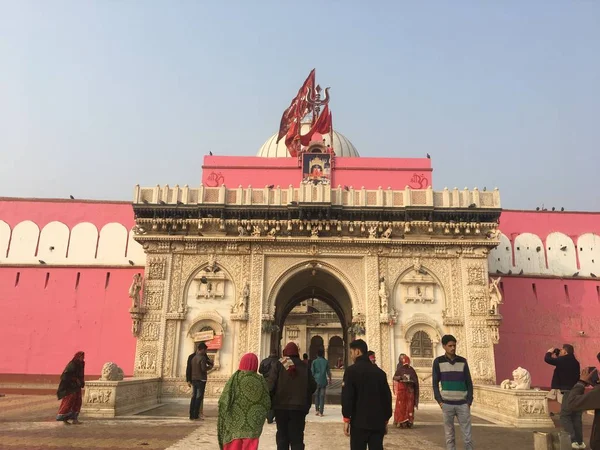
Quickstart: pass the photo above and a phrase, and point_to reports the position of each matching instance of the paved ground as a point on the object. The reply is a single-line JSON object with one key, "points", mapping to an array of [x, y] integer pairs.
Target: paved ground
{"points": [[27, 422]]}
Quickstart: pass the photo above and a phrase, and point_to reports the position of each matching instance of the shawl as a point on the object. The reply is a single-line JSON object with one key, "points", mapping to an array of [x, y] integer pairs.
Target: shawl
{"points": [[291, 349], [71, 380], [243, 405], [404, 368]]}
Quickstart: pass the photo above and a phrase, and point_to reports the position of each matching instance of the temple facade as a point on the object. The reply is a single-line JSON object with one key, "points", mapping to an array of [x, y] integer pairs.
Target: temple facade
{"points": [[398, 267]]}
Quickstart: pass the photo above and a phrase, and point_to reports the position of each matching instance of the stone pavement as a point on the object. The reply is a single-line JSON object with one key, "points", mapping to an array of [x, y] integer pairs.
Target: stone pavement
{"points": [[27, 422]]}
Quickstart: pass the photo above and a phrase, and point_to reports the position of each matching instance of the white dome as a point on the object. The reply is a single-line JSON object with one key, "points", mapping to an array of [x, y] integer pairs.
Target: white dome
{"points": [[341, 145]]}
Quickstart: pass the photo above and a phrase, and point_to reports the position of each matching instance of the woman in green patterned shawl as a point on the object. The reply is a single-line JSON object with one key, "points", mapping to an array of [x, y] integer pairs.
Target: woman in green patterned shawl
{"points": [[243, 407]]}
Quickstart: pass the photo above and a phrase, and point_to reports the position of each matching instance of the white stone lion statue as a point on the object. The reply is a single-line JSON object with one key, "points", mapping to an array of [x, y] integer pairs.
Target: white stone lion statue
{"points": [[111, 372], [521, 380]]}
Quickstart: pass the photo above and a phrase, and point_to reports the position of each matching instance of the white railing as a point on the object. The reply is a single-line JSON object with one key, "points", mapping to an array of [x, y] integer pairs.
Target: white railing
{"points": [[308, 193]]}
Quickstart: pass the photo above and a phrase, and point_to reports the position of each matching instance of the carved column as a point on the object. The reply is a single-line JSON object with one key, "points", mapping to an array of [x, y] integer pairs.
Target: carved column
{"points": [[481, 347], [372, 307], [151, 332], [254, 327]]}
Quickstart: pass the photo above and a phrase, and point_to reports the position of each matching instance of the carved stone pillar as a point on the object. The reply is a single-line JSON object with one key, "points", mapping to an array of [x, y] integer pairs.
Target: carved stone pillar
{"points": [[254, 324], [372, 306]]}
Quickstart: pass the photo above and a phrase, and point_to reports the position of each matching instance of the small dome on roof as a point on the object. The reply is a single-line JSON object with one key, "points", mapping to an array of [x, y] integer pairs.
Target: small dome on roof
{"points": [[341, 145]]}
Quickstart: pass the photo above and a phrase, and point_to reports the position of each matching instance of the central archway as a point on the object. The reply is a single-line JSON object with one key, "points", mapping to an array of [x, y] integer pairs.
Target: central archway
{"points": [[312, 281]]}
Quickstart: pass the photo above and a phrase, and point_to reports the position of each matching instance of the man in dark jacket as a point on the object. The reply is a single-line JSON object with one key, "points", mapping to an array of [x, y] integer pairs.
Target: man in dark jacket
{"points": [[566, 374], [366, 400], [579, 400], [200, 365], [292, 386], [264, 369]]}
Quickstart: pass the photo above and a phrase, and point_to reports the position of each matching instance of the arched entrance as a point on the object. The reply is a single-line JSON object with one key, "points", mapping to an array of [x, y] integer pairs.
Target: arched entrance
{"points": [[316, 343], [335, 351], [313, 282]]}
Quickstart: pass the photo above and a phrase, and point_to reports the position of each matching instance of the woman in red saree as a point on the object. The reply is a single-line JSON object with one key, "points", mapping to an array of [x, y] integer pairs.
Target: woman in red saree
{"points": [[406, 387], [69, 390]]}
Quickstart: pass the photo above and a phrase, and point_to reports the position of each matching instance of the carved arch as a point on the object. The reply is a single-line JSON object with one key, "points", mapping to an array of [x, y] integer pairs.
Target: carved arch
{"points": [[408, 270], [194, 274], [215, 321], [422, 322], [282, 279]]}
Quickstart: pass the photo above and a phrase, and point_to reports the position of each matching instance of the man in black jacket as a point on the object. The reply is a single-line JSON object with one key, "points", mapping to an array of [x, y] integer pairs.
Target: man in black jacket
{"points": [[366, 401], [566, 374], [264, 369]]}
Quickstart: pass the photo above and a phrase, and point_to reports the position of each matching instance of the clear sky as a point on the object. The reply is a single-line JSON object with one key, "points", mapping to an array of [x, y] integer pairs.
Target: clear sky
{"points": [[97, 96]]}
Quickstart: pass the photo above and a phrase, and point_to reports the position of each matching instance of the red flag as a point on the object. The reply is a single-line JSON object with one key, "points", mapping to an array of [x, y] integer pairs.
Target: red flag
{"points": [[299, 106], [291, 142], [321, 126]]}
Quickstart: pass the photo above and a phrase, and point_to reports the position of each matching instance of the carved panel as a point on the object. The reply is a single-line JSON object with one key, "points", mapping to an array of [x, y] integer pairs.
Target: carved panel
{"points": [[153, 295], [476, 275], [150, 331], [146, 362], [478, 303], [157, 267], [169, 347], [372, 303]]}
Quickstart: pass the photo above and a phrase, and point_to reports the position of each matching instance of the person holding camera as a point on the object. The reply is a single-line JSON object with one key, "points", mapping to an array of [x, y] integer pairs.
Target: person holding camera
{"points": [[566, 375]]}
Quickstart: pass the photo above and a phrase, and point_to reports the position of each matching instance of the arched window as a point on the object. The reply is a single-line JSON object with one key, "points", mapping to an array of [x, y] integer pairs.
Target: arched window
{"points": [[421, 346]]}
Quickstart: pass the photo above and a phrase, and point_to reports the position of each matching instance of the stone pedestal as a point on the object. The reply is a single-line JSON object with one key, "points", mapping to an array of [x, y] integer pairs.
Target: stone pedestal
{"points": [[119, 398], [519, 408]]}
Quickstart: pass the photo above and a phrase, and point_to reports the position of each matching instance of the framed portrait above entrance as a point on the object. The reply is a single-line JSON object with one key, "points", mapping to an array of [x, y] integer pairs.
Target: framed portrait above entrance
{"points": [[316, 168]]}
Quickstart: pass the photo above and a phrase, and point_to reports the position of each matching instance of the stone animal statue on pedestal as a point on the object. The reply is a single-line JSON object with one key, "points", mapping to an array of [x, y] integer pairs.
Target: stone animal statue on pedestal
{"points": [[111, 372], [521, 380]]}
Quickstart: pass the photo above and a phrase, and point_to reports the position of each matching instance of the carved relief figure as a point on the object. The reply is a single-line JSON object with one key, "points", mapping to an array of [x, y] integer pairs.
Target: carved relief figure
{"points": [[272, 232], [387, 233], [495, 295], [242, 231], [314, 232], [242, 303], [256, 231], [383, 295], [134, 290], [521, 380], [372, 232]]}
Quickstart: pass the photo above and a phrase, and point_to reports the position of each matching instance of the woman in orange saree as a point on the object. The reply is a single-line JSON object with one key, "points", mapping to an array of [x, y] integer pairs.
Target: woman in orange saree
{"points": [[406, 388]]}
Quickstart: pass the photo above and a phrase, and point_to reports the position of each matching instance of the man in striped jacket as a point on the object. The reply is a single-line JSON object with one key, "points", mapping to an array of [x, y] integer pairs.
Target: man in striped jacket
{"points": [[456, 395]]}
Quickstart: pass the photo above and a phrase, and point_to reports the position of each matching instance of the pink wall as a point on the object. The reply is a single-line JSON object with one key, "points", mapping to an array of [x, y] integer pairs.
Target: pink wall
{"points": [[556, 311], [69, 212], [542, 223], [536, 320], [41, 327], [371, 173]]}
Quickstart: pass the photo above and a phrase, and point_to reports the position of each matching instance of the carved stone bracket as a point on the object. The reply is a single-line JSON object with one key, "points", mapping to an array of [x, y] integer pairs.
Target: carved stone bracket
{"points": [[453, 322], [239, 317], [494, 324], [137, 315], [175, 316]]}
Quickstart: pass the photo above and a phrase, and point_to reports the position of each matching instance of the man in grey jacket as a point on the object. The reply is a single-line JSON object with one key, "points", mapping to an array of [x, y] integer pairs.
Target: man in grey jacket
{"points": [[579, 400]]}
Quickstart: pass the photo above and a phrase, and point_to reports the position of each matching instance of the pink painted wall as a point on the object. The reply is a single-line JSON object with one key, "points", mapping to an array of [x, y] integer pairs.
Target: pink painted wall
{"points": [[536, 321], [558, 308], [69, 212], [371, 173], [42, 326], [542, 223]]}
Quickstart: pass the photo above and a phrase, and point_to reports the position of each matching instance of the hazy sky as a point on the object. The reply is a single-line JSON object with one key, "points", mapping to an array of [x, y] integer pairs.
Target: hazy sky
{"points": [[96, 96]]}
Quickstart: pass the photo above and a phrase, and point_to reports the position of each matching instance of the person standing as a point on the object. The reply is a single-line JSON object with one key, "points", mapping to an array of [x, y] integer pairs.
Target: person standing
{"points": [[322, 374], [366, 400], [69, 390], [201, 364], [406, 385], [243, 406], [188, 377], [579, 400], [456, 395], [292, 385], [264, 369], [566, 374]]}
